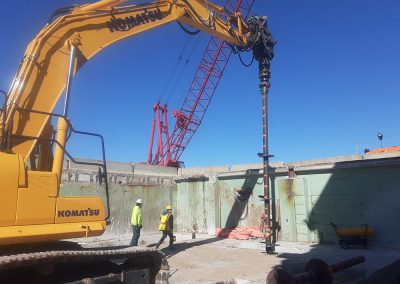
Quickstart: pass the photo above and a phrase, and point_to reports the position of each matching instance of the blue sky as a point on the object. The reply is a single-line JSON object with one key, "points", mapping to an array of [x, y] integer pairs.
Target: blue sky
{"points": [[335, 84]]}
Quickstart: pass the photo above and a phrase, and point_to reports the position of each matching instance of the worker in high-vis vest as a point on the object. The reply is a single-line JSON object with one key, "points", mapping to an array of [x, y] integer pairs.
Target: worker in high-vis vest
{"points": [[166, 226], [136, 222]]}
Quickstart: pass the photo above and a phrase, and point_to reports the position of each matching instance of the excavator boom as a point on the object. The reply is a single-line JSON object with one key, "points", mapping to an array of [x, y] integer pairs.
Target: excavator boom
{"points": [[42, 75]]}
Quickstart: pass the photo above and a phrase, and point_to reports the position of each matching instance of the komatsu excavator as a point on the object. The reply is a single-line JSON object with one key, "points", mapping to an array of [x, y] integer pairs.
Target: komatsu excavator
{"points": [[31, 157]]}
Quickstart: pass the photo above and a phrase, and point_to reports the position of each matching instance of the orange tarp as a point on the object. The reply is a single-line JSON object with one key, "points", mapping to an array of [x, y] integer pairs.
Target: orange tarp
{"points": [[239, 233]]}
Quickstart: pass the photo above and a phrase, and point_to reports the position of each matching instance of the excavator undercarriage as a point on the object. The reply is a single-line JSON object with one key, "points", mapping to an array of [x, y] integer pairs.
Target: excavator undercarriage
{"points": [[69, 263]]}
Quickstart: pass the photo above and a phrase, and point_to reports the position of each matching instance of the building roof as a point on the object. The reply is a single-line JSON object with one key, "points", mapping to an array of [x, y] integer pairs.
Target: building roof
{"points": [[384, 150]]}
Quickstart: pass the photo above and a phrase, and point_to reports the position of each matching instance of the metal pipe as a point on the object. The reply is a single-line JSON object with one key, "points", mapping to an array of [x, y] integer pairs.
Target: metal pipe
{"points": [[63, 126], [70, 74], [317, 272], [61, 138], [333, 268], [3, 119], [150, 154], [103, 4]]}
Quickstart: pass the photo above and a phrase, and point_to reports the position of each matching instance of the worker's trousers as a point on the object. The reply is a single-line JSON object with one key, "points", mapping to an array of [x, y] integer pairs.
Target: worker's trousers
{"points": [[164, 235], [135, 235]]}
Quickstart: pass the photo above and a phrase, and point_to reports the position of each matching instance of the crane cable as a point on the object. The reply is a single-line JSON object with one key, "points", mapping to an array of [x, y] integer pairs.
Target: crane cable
{"points": [[174, 69], [178, 78]]}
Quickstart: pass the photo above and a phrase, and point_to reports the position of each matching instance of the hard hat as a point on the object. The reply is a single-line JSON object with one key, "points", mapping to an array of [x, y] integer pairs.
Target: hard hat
{"points": [[139, 201], [168, 207]]}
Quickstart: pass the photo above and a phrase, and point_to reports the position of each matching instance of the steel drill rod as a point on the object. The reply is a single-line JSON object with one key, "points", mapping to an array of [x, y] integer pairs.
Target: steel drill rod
{"points": [[264, 76]]}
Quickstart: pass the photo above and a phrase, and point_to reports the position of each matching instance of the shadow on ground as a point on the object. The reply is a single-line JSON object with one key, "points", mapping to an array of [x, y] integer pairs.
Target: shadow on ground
{"points": [[182, 246]]}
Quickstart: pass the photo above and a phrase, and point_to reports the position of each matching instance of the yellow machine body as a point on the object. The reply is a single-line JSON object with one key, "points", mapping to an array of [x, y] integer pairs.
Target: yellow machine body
{"points": [[31, 210], [355, 232]]}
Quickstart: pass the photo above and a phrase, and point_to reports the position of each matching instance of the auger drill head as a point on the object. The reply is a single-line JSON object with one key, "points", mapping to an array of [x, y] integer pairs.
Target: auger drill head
{"points": [[260, 39]]}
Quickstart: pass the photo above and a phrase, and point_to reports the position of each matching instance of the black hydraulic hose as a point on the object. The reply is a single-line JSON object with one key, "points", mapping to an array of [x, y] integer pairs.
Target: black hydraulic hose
{"points": [[245, 64], [187, 31], [59, 12]]}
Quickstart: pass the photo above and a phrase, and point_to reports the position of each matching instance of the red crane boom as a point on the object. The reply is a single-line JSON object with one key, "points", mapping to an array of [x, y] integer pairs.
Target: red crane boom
{"points": [[198, 98]]}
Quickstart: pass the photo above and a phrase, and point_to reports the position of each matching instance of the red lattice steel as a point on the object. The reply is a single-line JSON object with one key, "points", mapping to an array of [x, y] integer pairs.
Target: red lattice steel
{"points": [[201, 91], [160, 119]]}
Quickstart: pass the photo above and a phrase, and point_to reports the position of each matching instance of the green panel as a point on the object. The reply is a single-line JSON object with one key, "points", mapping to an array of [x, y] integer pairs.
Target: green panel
{"points": [[294, 209], [299, 200], [240, 209], [301, 218], [301, 229], [338, 219], [354, 196], [300, 209], [196, 207], [341, 204], [287, 212], [303, 238]]}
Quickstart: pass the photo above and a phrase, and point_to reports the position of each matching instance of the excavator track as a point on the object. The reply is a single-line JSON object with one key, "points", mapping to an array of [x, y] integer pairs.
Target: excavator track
{"points": [[92, 265]]}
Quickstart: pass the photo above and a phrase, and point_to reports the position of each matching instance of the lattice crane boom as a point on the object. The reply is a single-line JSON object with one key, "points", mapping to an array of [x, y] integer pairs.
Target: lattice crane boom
{"points": [[190, 115]]}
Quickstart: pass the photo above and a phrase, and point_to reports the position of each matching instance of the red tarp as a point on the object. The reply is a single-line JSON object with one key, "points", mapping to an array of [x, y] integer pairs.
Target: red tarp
{"points": [[239, 233]]}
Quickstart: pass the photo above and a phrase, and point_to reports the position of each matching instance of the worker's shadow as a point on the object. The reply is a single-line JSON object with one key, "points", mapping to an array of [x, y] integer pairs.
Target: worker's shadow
{"points": [[182, 246]]}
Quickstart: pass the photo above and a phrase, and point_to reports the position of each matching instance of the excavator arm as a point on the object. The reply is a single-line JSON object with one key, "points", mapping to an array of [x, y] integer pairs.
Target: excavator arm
{"points": [[42, 75]]}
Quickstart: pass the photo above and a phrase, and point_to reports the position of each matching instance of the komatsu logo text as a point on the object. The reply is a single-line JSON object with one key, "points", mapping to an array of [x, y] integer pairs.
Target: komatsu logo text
{"points": [[78, 213], [127, 23]]}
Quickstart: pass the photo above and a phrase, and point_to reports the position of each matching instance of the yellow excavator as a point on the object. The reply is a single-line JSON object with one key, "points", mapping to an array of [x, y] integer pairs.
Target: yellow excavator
{"points": [[32, 152]]}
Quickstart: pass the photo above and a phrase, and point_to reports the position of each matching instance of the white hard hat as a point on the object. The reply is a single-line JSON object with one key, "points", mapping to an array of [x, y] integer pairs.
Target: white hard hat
{"points": [[139, 201]]}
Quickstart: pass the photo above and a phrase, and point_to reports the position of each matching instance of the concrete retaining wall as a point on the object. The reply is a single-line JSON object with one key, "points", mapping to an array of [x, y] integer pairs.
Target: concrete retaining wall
{"points": [[348, 191]]}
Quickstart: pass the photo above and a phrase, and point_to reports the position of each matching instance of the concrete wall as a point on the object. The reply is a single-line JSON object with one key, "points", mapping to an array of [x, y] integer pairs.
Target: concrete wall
{"points": [[122, 200], [348, 191], [127, 182], [195, 207], [346, 197]]}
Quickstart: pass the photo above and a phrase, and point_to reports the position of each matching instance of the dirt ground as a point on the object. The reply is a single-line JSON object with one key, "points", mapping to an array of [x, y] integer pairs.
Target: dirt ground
{"points": [[208, 259], [213, 260]]}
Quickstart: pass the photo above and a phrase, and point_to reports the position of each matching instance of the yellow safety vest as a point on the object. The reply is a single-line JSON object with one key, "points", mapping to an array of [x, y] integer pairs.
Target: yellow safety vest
{"points": [[136, 219], [164, 222]]}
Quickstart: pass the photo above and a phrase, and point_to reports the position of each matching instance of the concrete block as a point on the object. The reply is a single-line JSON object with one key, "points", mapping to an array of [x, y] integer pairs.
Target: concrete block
{"points": [[153, 170], [83, 177]]}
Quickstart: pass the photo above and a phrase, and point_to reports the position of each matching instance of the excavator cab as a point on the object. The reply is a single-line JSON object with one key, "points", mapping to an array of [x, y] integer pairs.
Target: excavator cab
{"points": [[31, 209]]}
